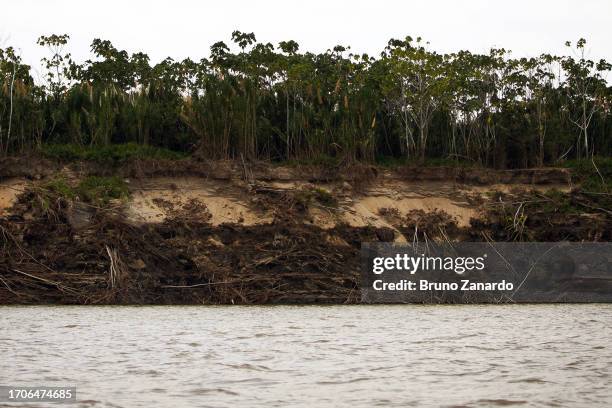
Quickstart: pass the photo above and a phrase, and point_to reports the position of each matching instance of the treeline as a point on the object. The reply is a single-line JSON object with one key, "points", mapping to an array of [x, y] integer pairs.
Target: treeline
{"points": [[277, 103]]}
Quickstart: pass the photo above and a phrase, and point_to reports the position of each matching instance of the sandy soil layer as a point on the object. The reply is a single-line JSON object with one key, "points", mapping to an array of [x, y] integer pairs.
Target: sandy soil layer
{"points": [[153, 200], [9, 191], [231, 201]]}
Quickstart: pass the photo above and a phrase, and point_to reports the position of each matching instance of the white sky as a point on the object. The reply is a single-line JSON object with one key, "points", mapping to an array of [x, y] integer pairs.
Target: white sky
{"points": [[182, 28]]}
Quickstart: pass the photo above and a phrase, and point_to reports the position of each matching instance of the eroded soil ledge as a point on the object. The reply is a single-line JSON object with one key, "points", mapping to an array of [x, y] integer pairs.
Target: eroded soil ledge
{"points": [[193, 232]]}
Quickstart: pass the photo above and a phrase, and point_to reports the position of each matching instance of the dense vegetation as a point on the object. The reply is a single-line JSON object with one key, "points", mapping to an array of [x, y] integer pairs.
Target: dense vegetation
{"points": [[276, 103]]}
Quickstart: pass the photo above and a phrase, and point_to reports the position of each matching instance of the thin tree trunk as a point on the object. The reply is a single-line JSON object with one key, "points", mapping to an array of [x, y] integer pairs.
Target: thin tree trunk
{"points": [[10, 122]]}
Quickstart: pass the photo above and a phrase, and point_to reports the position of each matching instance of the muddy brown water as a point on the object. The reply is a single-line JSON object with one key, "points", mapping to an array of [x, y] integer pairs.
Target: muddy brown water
{"points": [[358, 356]]}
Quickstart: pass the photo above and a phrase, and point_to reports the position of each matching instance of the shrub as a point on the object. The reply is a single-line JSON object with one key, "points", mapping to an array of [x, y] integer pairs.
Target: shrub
{"points": [[112, 154]]}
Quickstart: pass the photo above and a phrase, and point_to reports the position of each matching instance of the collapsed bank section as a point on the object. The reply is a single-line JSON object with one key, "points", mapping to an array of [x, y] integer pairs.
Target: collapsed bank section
{"points": [[192, 232]]}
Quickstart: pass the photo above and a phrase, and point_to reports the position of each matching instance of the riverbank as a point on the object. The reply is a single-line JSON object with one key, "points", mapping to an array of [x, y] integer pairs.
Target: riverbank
{"points": [[203, 232]]}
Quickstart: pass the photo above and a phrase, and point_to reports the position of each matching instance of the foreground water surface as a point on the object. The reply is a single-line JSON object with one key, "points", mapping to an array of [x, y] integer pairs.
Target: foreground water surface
{"points": [[358, 356]]}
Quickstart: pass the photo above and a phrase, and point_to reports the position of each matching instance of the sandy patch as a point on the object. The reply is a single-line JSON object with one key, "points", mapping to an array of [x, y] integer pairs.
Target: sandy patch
{"points": [[323, 218], [157, 199], [367, 208], [364, 209], [360, 215], [509, 188], [9, 190]]}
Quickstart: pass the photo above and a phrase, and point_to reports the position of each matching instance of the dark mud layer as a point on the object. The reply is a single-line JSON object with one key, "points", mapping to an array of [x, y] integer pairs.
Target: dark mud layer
{"points": [[49, 260], [36, 167], [177, 262]]}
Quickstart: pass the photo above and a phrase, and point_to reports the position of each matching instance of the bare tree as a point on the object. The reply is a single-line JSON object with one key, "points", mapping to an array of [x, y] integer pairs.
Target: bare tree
{"points": [[585, 86]]}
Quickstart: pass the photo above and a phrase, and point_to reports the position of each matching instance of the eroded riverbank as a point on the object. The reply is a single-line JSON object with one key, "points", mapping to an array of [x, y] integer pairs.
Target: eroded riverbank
{"points": [[229, 232]]}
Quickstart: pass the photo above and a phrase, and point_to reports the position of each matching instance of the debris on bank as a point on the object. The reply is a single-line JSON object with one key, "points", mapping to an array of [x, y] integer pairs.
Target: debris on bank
{"points": [[224, 235]]}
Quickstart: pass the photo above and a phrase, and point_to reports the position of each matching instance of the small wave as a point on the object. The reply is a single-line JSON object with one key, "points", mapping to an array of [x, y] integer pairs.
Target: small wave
{"points": [[500, 402], [205, 391], [247, 366], [354, 380], [531, 380]]}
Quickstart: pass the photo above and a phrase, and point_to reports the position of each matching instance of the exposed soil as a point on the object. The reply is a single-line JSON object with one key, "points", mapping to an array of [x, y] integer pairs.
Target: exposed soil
{"points": [[10, 189], [231, 233], [154, 200]]}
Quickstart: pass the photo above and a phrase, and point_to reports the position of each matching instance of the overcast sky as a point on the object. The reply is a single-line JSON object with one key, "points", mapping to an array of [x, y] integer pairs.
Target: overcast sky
{"points": [[182, 28]]}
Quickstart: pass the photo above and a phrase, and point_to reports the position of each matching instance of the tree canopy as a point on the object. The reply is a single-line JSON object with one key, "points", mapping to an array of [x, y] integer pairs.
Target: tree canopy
{"points": [[260, 101]]}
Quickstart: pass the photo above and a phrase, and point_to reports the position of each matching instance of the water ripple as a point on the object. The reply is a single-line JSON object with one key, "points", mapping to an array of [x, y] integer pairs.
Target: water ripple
{"points": [[464, 356]]}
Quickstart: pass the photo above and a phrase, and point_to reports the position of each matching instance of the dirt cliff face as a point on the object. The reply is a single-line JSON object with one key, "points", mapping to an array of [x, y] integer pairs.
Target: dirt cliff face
{"points": [[231, 233]]}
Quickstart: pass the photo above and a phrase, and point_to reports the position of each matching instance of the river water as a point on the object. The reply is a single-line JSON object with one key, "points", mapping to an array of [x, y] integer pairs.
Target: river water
{"points": [[357, 356]]}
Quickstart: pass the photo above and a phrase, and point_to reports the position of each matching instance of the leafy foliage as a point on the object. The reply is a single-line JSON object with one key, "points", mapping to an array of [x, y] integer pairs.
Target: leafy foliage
{"points": [[100, 190], [112, 154], [254, 100], [94, 190], [593, 175]]}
